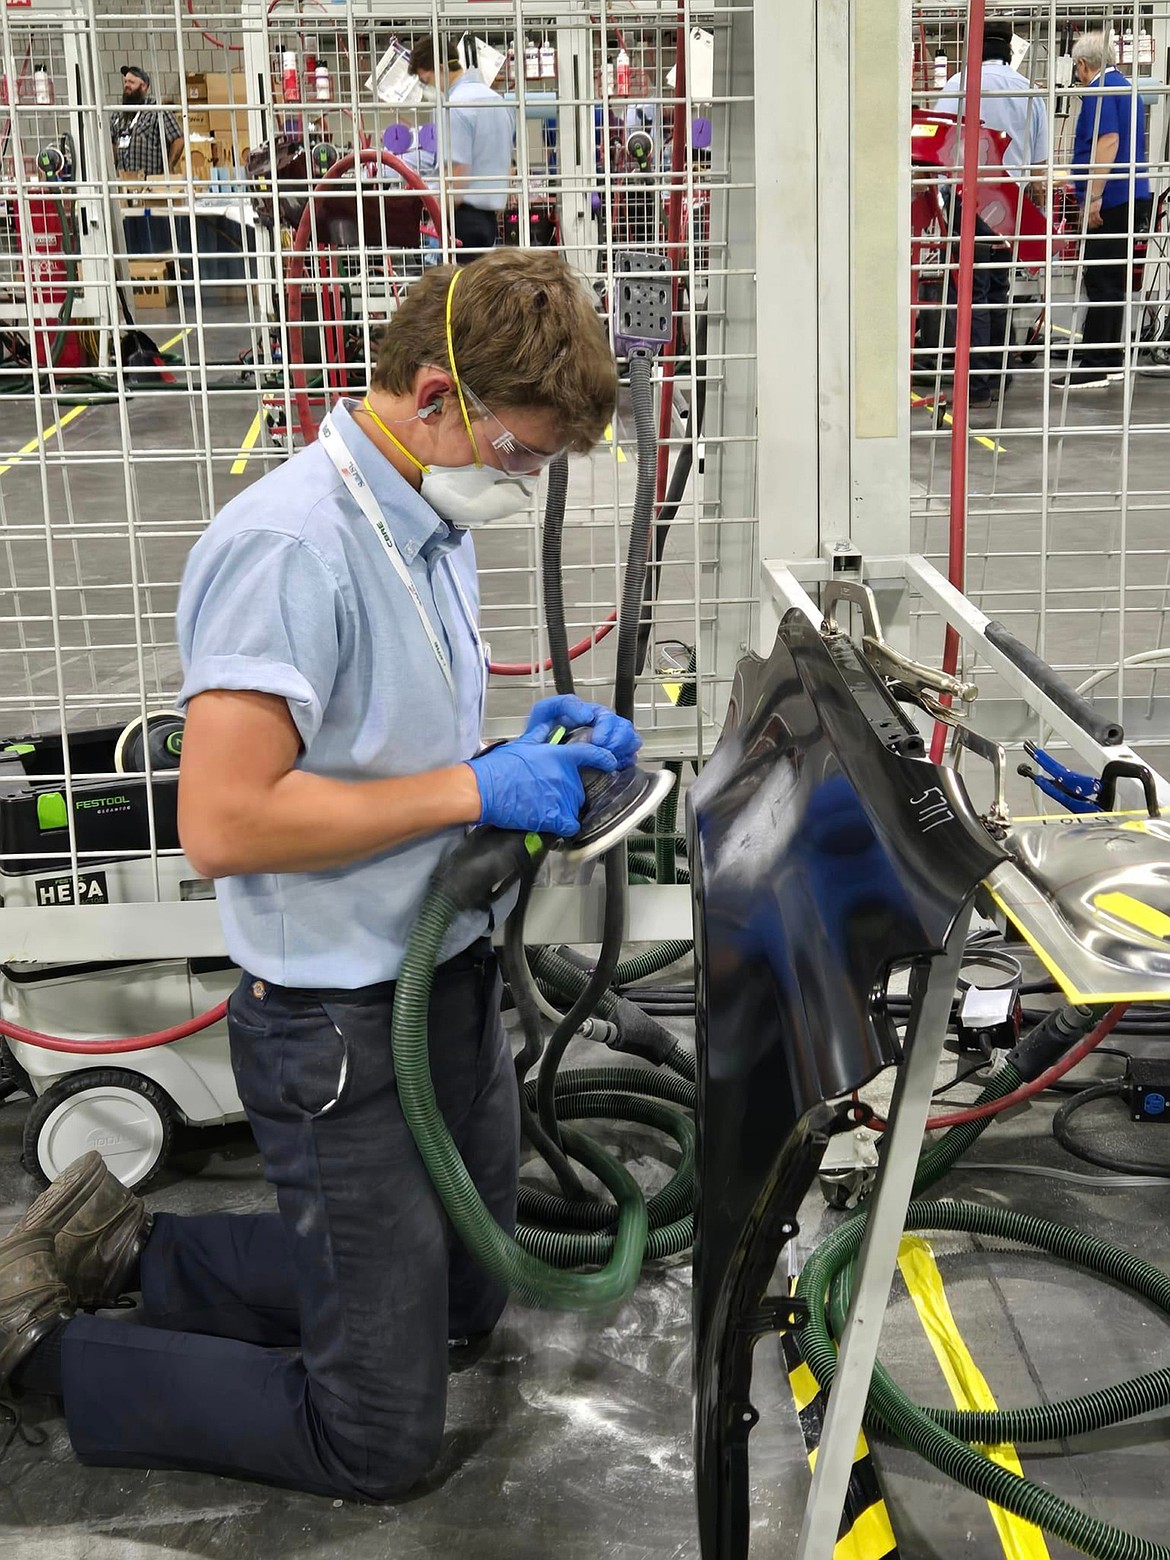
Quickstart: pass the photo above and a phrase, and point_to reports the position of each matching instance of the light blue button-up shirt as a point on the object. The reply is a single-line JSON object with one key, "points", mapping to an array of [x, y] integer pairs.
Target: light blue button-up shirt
{"points": [[481, 128], [289, 592], [1005, 105]]}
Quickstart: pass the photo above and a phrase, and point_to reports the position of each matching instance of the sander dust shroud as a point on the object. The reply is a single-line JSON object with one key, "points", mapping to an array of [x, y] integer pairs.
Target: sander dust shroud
{"points": [[614, 806]]}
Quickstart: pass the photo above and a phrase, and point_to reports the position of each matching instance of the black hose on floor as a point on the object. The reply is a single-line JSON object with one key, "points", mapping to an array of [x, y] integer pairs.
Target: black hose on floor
{"points": [[1079, 1149]]}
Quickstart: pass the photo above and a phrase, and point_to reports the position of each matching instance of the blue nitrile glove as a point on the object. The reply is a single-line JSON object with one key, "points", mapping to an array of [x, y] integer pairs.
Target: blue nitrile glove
{"points": [[566, 709], [535, 786]]}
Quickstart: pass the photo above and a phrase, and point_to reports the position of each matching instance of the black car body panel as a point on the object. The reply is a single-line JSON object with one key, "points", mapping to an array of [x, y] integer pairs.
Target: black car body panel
{"points": [[824, 849]]}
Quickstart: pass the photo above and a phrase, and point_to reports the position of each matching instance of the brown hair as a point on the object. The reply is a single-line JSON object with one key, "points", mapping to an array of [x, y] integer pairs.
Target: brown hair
{"points": [[525, 333], [422, 56]]}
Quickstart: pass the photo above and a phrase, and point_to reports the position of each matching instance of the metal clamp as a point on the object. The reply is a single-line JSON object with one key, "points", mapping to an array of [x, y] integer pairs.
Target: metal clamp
{"points": [[918, 680], [997, 816]]}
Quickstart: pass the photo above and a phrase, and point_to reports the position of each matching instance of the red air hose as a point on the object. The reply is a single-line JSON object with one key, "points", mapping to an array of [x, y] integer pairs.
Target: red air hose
{"points": [[1026, 1091], [190, 1026], [218, 43], [300, 247], [960, 410], [526, 668], [680, 140]]}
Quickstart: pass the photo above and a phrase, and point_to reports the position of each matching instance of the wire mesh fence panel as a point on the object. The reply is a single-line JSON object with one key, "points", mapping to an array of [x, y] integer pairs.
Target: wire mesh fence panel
{"points": [[1063, 473], [209, 214]]}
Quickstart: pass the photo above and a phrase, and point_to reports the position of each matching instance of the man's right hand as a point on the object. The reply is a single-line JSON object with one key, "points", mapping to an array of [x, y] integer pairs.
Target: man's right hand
{"points": [[536, 787]]}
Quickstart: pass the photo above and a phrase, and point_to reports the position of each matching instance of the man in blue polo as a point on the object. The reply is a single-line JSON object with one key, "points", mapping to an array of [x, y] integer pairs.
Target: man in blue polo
{"points": [[1113, 187], [480, 131]]}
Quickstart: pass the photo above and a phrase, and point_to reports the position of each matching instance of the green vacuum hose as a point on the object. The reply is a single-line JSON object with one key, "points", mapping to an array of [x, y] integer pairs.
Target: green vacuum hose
{"points": [[534, 1281], [941, 1436], [548, 965]]}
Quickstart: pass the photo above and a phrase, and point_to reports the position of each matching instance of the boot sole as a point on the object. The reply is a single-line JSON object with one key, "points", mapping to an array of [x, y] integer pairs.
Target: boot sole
{"points": [[58, 1203]]}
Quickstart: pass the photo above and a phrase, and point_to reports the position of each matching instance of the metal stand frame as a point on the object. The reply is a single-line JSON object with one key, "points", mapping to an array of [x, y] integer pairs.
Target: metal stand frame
{"points": [[925, 1034]]}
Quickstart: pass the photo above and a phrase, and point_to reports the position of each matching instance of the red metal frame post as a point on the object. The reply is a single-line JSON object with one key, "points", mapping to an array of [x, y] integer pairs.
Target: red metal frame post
{"points": [[960, 406]]}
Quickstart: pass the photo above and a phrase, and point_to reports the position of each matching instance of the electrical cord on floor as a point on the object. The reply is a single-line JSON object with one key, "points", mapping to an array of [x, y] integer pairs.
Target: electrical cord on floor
{"points": [[961, 1077], [1077, 1086], [1106, 1183], [1091, 1154]]}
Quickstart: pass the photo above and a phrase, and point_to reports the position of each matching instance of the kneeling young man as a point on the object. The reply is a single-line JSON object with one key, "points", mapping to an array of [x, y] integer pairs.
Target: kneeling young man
{"points": [[334, 683]]}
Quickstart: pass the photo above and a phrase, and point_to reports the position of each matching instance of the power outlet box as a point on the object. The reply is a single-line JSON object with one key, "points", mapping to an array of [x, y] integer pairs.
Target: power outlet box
{"points": [[1147, 1087]]}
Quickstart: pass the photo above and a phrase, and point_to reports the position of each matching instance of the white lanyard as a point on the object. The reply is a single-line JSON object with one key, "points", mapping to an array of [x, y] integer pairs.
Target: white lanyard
{"points": [[359, 490]]}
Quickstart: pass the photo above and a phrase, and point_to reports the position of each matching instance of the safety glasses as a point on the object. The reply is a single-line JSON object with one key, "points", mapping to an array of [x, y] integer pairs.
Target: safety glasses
{"points": [[512, 454]]}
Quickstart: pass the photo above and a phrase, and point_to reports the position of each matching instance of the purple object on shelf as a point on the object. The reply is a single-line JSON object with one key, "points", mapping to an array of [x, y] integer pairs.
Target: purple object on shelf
{"points": [[397, 139], [428, 139], [701, 134]]}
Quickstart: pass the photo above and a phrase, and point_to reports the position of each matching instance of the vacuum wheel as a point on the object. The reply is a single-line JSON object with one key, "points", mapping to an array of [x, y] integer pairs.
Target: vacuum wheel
{"points": [[126, 1117]]}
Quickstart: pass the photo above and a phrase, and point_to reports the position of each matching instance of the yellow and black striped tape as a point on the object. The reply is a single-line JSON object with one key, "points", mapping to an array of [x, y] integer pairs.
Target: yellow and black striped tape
{"points": [[865, 1532]]}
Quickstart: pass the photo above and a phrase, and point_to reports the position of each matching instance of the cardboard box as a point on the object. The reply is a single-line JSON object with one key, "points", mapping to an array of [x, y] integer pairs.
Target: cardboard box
{"points": [[151, 283], [199, 122], [230, 130], [143, 190], [195, 87], [223, 90], [199, 157]]}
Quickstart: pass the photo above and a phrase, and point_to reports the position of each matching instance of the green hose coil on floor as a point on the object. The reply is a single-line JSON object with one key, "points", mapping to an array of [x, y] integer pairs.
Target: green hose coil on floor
{"points": [[942, 1436]]}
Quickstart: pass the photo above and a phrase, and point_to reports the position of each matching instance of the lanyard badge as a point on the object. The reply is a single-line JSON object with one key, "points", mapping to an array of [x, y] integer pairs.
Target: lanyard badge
{"points": [[361, 493]]}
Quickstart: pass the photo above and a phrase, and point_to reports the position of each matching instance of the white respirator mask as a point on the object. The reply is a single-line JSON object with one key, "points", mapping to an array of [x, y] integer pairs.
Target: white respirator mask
{"points": [[470, 496]]}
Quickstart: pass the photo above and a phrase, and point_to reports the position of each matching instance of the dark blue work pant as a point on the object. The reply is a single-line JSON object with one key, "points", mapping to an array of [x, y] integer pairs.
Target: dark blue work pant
{"points": [[358, 1271], [1107, 274], [991, 284]]}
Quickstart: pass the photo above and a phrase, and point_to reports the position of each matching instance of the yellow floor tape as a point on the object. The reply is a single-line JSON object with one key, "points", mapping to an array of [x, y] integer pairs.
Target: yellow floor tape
{"points": [[34, 444], [167, 345], [869, 1535], [1020, 1539], [988, 444], [239, 465], [70, 416]]}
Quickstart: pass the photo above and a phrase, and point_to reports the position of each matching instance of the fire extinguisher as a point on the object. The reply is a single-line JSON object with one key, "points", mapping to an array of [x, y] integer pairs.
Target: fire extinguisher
{"points": [[45, 253]]}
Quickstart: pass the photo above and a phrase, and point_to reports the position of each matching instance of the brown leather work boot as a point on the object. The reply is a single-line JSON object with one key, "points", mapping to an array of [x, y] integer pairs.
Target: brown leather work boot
{"points": [[98, 1229], [33, 1298]]}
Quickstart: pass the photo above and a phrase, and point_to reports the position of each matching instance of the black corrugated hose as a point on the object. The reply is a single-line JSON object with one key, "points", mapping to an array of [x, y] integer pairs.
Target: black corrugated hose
{"points": [[674, 492], [551, 575], [637, 559]]}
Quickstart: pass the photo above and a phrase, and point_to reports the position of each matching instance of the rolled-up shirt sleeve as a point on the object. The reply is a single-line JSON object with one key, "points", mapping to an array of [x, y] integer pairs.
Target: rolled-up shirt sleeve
{"points": [[262, 612]]}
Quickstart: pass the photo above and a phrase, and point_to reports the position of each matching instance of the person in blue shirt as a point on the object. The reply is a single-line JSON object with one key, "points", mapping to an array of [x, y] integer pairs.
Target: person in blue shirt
{"points": [[334, 682], [481, 129], [1113, 187]]}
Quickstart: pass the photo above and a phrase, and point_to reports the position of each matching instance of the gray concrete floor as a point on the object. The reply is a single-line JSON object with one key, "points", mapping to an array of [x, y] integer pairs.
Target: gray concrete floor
{"points": [[571, 1436]]}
